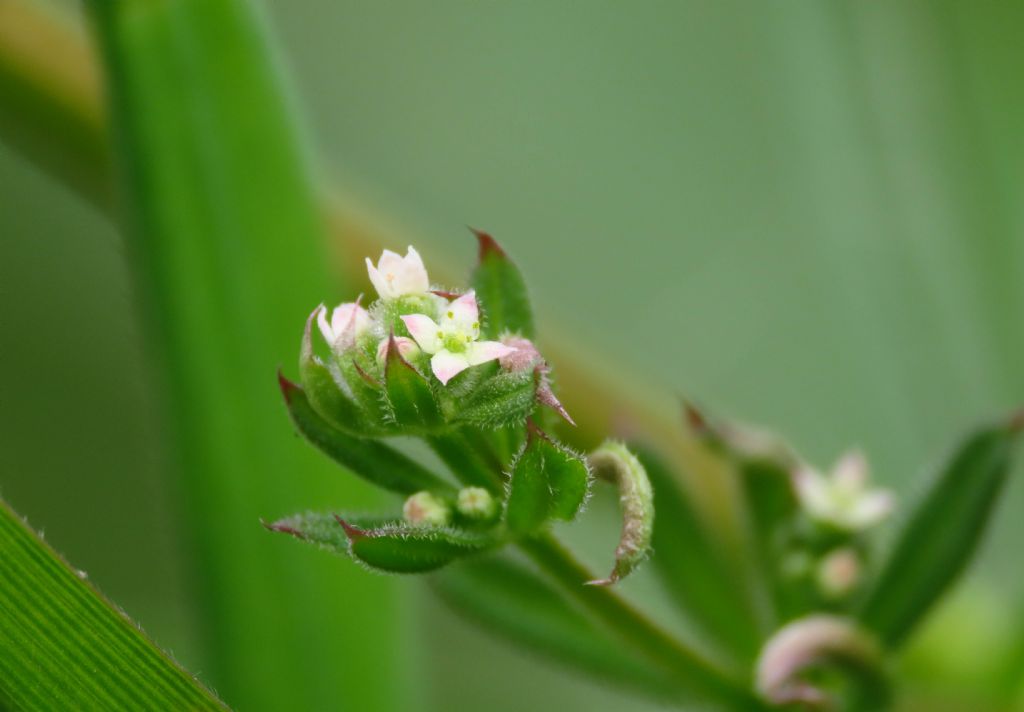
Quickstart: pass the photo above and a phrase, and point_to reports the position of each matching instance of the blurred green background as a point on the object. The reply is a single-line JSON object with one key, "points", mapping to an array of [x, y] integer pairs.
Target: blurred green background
{"points": [[808, 215]]}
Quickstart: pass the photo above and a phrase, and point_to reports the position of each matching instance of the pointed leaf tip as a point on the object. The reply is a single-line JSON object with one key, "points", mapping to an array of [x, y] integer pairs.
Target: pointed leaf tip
{"points": [[1016, 424], [288, 388], [353, 532], [488, 245], [283, 527], [695, 418]]}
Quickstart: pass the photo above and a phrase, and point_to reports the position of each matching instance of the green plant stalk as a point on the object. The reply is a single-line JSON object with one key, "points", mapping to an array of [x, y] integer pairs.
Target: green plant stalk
{"points": [[221, 225], [704, 678], [63, 646]]}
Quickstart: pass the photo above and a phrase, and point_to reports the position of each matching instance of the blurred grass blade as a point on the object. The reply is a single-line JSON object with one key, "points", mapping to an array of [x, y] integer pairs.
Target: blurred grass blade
{"points": [[942, 533], [692, 566], [510, 600], [62, 646], [220, 218]]}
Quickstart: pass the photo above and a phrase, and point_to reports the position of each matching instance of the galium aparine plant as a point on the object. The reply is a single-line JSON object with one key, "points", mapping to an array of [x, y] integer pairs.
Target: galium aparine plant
{"points": [[803, 610]]}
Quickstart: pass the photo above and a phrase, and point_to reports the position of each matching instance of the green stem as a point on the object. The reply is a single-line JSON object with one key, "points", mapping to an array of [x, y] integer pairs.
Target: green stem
{"points": [[704, 677]]}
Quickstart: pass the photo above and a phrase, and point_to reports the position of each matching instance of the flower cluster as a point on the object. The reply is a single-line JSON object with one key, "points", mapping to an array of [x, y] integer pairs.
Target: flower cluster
{"points": [[458, 370]]}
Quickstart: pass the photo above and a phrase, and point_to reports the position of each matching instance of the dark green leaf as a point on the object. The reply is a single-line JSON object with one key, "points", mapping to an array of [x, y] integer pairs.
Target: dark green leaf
{"points": [[694, 568], [62, 646], [373, 461], [939, 538], [502, 401], [501, 290], [568, 478], [529, 498], [516, 603], [409, 395]]}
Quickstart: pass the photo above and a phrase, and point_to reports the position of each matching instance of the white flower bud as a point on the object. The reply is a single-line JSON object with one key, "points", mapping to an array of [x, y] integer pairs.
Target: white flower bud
{"points": [[476, 503], [426, 509]]}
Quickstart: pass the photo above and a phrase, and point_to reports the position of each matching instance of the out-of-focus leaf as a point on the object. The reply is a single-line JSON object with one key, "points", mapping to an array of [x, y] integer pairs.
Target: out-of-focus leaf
{"points": [[699, 579], [501, 290], [515, 603], [62, 646], [372, 460], [384, 545], [941, 533]]}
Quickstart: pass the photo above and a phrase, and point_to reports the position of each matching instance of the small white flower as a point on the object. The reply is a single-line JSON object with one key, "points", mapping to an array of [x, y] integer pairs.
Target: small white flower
{"points": [[407, 348], [348, 322], [396, 276], [453, 342], [843, 499]]}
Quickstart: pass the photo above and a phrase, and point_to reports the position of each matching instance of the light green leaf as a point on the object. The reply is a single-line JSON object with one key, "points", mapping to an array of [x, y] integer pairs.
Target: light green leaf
{"points": [[63, 646]]}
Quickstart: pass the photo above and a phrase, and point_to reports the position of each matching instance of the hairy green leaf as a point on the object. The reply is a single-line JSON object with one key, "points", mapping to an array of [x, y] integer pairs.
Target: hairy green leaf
{"points": [[63, 646], [501, 291], [504, 400], [374, 461], [385, 545], [942, 532]]}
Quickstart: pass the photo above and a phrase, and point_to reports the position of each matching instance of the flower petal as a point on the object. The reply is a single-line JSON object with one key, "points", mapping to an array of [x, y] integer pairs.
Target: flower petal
{"points": [[464, 313], [378, 281], [407, 348], [424, 330], [483, 351], [325, 328], [414, 274], [871, 508], [814, 492], [850, 473], [447, 365]]}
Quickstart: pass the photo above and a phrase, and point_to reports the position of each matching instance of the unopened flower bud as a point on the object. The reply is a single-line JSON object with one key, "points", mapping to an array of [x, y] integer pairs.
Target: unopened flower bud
{"points": [[407, 348], [347, 323], [476, 503], [839, 572], [395, 276], [426, 509]]}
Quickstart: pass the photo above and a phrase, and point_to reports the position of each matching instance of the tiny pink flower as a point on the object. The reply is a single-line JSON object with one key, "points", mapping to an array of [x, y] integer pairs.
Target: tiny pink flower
{"points": [[396, 276], [844, 499], [348, 322], [453, 343], [407, 348]]}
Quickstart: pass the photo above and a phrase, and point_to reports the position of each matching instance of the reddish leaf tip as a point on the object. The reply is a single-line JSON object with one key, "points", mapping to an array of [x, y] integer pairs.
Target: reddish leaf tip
{"points": [[364, 375], [287, 387], [445, 294], [351, 530], [1016, 423], [282, 527], [695, 418], [488, 245]]}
